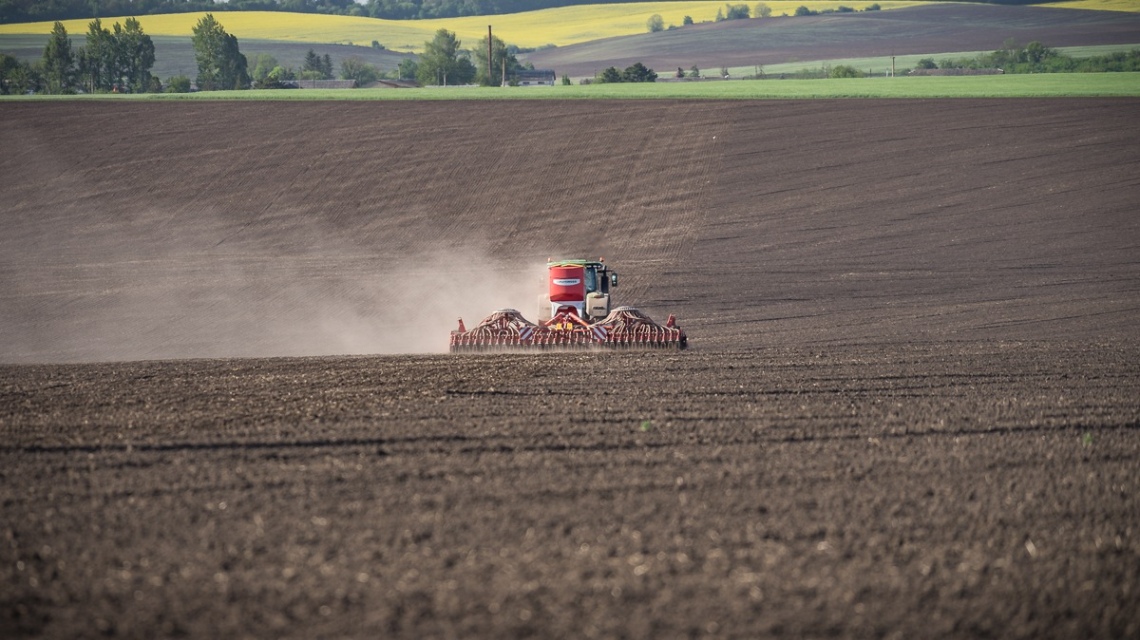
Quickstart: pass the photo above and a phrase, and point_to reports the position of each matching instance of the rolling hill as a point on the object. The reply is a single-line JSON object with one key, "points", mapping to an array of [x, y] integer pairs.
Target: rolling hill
{"points": [[917, 30], [585, 47]]}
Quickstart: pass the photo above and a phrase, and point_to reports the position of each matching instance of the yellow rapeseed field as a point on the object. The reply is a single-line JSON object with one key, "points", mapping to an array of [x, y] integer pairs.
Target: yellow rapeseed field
{"points": [[561, 26], [1104, 5]]}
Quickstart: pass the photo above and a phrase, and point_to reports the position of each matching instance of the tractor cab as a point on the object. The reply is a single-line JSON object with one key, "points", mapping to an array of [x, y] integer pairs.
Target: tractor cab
{"points": [[599, 278], [580, 286]]}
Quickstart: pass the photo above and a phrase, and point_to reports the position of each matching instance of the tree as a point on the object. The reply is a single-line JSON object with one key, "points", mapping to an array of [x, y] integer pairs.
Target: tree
{"points": [[97, 59], [235, 74], [694, 72], [355, 68], [178, 84], [845, 71], [638, 72], [733, 12], [442, 62], [926, 63], [1036, 53], [655, 23], [610, 74], [491, 75], [687, 20], [59, 63], [17, 77], [762, 10], [221, 64], [277, 78], [316, 67], [407, 69], [263, 63], [8, 65], [804, 11], [135, 51]]}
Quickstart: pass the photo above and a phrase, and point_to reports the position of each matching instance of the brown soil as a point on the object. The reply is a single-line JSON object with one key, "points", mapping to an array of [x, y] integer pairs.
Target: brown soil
{"points": [[910, 407], [918, 30]]}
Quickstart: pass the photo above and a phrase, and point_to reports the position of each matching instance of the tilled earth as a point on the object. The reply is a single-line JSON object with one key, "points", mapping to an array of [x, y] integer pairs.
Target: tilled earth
{"points": [[910, 408], [904, 491]]}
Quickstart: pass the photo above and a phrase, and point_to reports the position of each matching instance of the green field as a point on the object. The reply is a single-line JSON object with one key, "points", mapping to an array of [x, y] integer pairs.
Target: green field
{"points": [[1055, 85]]}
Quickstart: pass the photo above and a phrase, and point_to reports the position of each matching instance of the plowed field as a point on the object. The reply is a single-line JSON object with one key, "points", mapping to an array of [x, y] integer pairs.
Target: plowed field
{"points": [[910, 408]]}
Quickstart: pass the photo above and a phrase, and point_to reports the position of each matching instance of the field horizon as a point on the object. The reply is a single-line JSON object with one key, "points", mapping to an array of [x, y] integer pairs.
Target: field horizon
{"points": [[867, 39]]}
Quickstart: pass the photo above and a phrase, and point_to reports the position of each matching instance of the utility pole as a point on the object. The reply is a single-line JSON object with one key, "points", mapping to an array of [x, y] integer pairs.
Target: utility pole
{"points": [[490, 57]]}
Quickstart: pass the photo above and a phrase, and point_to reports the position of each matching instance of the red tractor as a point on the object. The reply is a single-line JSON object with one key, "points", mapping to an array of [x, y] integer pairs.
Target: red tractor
{"points": [[575, 313]]}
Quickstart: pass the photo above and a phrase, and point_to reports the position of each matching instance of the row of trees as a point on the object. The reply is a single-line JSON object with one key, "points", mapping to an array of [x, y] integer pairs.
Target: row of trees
{"points": [[116, 59], [695, 72], [636, 72], [120, 59], [743, 12], [445, 62], [48, 10], [1036, 57]]}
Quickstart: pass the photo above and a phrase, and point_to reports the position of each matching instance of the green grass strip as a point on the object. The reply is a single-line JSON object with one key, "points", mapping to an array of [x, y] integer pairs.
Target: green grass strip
{"points": [[1052, 85]]}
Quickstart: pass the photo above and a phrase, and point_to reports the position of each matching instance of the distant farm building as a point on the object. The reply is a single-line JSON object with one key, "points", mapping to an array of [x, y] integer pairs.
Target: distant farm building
{"points": [[536, 77]]}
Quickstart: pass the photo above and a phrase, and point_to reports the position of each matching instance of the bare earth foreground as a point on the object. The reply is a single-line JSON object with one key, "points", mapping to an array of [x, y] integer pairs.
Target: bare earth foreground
{"points": [[911, 407]]}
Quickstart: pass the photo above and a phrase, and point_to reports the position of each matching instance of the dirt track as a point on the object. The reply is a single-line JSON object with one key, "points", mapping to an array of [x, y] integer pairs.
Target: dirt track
{"points": [[910, 408]]}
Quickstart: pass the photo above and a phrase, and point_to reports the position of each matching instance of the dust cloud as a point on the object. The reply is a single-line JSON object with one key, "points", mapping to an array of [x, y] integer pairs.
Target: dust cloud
{"points": [[223, 305]]}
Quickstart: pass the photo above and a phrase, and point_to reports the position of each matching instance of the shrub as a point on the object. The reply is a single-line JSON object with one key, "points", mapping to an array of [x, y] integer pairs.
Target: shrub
{"points": [[845, 71], [178, 84]]}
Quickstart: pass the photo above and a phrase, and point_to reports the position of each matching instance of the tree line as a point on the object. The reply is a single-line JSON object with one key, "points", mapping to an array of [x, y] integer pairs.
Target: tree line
{"points": [[49, 10], [120, 60], [636, 72], [731, 11], [1036, 57], [115, 59]]}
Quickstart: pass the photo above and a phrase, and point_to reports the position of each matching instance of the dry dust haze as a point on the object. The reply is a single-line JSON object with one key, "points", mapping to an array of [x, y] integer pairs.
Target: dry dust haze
{"points": [[145, 306]]}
